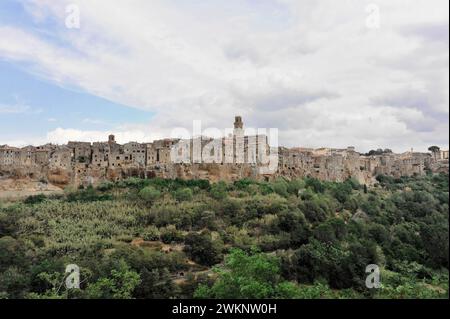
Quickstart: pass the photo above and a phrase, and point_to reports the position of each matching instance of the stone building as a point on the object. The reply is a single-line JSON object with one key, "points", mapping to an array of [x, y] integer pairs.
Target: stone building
{"points": [[26, 156], [82, 151], [7, 155], [100, 154], [234, 156], [136, 153], [61, 158], [159, 152], [41, 156]]}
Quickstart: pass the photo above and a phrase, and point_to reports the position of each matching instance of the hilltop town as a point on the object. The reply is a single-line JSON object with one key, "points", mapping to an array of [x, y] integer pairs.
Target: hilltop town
{"points": [[82, 163]]}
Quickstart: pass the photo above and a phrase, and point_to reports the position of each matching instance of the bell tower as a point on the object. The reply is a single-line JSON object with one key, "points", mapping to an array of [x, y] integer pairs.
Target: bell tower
{"points": [[238, 140], [238, 124]]}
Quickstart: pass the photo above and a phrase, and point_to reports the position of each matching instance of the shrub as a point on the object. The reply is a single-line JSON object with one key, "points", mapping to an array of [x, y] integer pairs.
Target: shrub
{"points": [[34, 199], [105, 186], [249, 276], [342, 191], [280, 187], [184, 194], [316, 185], [170, 234], [87, 195], [119, 285], [316, 210], [202, 249], [243, 184], [151, 233], [200, 183], [219, 191], [295, 186], [149, 194]]}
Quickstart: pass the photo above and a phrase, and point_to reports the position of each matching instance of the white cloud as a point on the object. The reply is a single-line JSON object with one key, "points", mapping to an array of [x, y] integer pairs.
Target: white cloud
{"points": [[62, 136], [310, 68], [18, 109], [93, 121]]}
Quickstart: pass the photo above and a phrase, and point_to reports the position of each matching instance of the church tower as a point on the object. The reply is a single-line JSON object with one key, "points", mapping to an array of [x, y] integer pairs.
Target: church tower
{"points": [[238, 124], [111, 139], [239, 140]]}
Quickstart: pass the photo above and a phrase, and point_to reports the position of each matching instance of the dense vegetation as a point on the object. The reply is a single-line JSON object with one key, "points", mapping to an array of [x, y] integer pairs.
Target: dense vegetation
{"points": [[283, 239]]}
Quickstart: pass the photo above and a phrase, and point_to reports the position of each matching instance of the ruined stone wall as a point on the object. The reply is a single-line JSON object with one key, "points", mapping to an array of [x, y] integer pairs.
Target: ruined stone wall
{"points": [[61, 158], [100, 155], [136, 153], [82, 151], [7, 155]]}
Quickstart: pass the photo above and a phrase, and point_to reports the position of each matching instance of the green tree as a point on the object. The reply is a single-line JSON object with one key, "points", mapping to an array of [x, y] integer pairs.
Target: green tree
{"points": [[171, 234], [14, 282], [435, 239], [11, 253], [434, 149], [120, 285], [280, 187], [316, 210], [295, 186], [244, 276], [155, 284], [149, 194], [184, 194], [316, 185], [342, 191], [219, 190], [202, 249]]}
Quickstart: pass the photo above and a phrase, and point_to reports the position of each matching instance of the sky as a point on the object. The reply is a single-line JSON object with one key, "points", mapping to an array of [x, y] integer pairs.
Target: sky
{"points": [[325, 73]]}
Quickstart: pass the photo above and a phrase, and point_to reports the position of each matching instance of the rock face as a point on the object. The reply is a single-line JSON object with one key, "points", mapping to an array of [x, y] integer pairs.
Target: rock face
{"points": [[230, 158], [22, 187]]}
